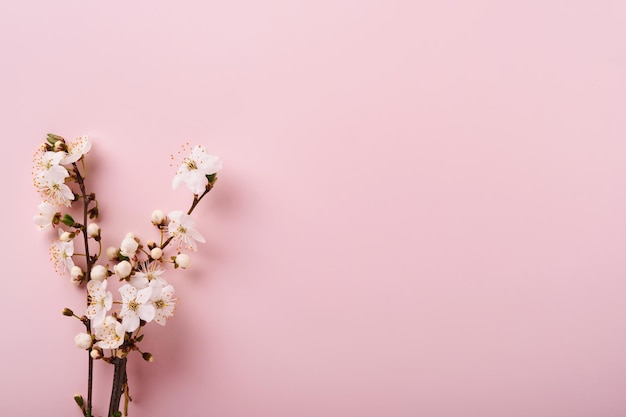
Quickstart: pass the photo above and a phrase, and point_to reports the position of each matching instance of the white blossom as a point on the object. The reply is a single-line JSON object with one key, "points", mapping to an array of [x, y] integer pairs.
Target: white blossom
{"points": [[135, 306], [46, 215], [163, 304], [183, 260], [51, 184], [46, 160], [148, 273], [182, 227], [110, 333], [100, 300], [195, 168], [83, 340], [61, 254], [47, 164], [76, 150]]}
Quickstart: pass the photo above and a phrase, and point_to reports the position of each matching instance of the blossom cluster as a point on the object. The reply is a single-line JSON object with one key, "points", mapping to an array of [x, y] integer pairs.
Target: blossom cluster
{"points": [[145, 295]]}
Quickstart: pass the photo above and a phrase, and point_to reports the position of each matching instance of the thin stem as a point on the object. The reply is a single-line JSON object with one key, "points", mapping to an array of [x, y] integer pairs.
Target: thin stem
{"points": [[81, 183]]}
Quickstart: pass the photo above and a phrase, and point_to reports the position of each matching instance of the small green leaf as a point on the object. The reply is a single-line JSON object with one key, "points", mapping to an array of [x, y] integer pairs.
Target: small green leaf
{"points": [[139, 339], [116, 414]]}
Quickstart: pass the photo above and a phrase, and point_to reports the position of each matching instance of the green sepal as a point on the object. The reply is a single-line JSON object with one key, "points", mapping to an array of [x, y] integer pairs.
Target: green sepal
{"points": [[139, 338], [93, 213], [212, 178], [116, 414], [52, 138], [68, 220]]}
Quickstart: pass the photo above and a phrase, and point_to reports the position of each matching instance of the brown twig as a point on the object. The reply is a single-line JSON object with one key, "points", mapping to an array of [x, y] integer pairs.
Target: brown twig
{"points": [[81, 183]]}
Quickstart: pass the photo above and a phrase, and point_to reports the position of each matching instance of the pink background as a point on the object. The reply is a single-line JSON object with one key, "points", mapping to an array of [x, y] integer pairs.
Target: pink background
{"points": [[422, 210]]}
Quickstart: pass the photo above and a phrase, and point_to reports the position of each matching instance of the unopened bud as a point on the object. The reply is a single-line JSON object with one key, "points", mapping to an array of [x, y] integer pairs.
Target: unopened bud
{"points": [[83, 340], [76, 275], [156, 253], [112, 253], [129, 246], [79, 400], [158, 218], [183, 260], [123, 269], [52, 138], [147, 356], [66, 236], [76, 272], [99, 273], [151, 244], [68, 312], [96, 353], [93, 230], [59, 146]]}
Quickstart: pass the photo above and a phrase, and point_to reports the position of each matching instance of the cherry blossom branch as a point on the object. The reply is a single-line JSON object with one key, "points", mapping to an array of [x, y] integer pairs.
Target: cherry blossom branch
{"points": [[146, 296], [81, 183]]}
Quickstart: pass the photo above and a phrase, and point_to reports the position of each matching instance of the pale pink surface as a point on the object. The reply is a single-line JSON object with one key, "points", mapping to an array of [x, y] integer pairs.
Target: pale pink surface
{"points": [[422, 210]]}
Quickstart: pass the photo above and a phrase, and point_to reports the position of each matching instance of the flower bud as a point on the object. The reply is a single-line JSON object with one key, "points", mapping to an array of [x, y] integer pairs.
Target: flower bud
{"points": [[66, 237], [147, 356], [93, 230], [112, 253], [158, 218], [151, 244], [76, 275], [123, 269], [68, 312], [129, 246], [156, 253], [79, 400], [59, 146], [96, 353], [76, 272], [183, 260], [99, 273], [83, 340]]}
